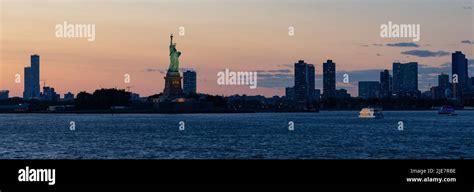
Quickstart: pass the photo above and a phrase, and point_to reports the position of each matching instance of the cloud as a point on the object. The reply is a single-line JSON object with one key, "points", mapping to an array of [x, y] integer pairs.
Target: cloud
{"points": [[279, 80], [275, 78], [164, 71], [403, 44], [425, 53], [275, 75], [469, 61], [467, 42], [373, 44], [286, 65], [424, 69], [154, 70], [275, 71], [448, 64]]}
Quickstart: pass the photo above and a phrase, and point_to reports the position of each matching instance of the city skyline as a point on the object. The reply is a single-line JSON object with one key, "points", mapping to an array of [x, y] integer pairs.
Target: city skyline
{"points": [[403, 81], [134, 45]]}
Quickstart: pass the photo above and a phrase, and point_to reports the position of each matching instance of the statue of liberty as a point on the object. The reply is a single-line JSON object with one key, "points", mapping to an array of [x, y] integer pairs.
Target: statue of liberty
{"points": [[174, 57]]}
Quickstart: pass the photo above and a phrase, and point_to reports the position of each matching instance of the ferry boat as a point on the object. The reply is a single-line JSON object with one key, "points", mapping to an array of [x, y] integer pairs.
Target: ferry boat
{"points": [[447, 110], [370, 113]]}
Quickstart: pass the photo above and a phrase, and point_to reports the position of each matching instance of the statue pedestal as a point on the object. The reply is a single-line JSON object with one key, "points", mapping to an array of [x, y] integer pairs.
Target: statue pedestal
{"points": [[172, 85]]}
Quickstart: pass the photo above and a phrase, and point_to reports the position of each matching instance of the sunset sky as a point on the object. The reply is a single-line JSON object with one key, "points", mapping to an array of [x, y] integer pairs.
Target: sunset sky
{"points": [[132, 37]]}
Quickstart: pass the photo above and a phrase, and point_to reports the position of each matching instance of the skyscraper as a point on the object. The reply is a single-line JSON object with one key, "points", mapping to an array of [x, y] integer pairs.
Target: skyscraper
{"points": [[459, 68], [290, 93], [369, 89], [189, 82], [329, 79], [443, 81], [385, 84], [317, 94], [304, 81], [405, 79], [471, 80], [32, 79], [441, 91]]}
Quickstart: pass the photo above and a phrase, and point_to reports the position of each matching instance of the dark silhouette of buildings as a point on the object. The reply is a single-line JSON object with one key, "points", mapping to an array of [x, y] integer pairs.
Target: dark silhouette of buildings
{"points": [[4, 94], [342, 94], [443, 90], [189, 82], [303, 95], [317, 94], [49, 94], [290, 93], [369, 89], [443, 81], [471, 80], [304, 81], [459, 68], [385, 84], [32, 79], [329, 79], [405, 79], [69, 96]]}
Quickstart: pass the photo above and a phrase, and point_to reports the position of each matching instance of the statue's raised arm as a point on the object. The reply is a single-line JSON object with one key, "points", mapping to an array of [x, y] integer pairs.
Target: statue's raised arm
{"points": [[171, 37]]}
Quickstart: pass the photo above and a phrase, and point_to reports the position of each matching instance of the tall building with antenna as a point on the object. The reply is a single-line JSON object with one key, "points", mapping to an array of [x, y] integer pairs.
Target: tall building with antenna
{"points": [[32, 79]]}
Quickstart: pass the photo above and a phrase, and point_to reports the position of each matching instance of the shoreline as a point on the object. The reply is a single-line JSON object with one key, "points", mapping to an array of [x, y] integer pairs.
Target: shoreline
{"points": [[209, 112]]}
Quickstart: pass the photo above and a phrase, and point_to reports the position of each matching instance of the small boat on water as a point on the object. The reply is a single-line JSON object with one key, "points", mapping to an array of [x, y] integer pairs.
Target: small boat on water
{"points": [[370, 113], [447, 110]]}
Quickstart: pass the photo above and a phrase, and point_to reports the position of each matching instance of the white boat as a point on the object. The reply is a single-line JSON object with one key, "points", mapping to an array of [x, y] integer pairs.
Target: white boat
{"points": [[370, 113]]}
